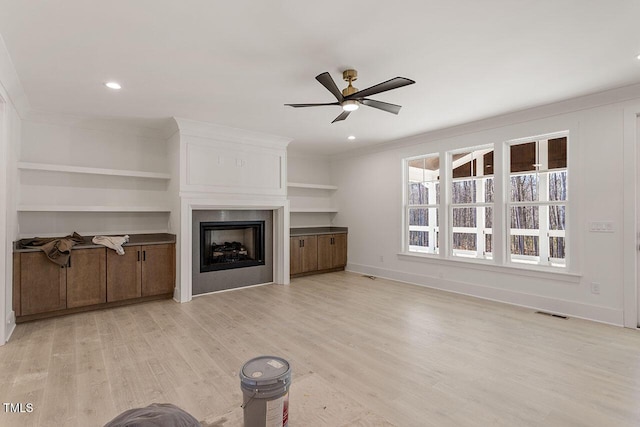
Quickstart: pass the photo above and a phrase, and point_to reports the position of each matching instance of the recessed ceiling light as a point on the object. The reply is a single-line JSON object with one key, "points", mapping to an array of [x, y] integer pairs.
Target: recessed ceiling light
{"points": [[113, 85], [638, 57], [351, 137]]}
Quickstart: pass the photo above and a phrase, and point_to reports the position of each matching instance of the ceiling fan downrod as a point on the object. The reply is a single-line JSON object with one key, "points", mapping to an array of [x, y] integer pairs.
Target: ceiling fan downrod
{"points": [[349, 76]]}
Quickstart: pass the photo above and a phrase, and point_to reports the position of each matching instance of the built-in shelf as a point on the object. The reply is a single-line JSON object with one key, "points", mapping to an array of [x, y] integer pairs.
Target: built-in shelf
{"points": [[92, 171], [312, 186], [313, 210], [59, 208]]}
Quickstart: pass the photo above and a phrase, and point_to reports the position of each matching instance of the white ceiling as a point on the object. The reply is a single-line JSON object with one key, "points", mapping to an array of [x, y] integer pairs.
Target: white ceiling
{"points": [[236, 63]]}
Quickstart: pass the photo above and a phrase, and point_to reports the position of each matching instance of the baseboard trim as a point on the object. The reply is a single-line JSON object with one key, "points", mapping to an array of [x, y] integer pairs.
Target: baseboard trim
{"points": [[10, 325], [568, 308]]}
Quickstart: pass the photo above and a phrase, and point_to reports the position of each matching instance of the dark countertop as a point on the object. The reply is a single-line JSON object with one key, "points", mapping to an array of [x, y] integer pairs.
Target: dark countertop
{"points": [[310, 231], [134, 240]]}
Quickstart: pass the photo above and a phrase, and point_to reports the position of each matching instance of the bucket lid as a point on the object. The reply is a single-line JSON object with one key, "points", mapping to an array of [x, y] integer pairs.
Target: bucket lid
{"points": [[265, 370]]}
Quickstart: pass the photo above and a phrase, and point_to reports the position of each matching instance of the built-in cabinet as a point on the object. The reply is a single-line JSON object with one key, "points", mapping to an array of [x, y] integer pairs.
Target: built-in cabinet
{"points": [[124, 275], [93, 278], [304, 254], [86, 278], [332, 251], [42, 285], [142, 271], [317, 253], [45, 286]]}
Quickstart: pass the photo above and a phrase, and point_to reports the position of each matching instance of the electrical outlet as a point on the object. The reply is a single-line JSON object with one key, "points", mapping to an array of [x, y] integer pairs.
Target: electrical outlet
{"points": [[381, 258], [595, 288]]}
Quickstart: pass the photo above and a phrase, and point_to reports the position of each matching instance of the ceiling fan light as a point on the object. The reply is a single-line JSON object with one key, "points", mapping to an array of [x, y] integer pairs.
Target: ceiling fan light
{"points": [[351, 105]]}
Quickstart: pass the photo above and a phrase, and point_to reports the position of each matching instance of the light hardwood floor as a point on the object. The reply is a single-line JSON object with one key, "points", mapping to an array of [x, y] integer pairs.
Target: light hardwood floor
{"points": [[364, 353]]}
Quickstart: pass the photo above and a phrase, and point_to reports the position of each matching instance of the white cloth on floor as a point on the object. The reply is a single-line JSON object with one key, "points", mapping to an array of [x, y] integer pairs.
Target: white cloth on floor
{"points": [[113, 242]]}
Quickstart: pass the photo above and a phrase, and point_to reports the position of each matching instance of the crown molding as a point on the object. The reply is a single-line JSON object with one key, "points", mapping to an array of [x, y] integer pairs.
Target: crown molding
{"points": [[229, 134], [572, 105]]}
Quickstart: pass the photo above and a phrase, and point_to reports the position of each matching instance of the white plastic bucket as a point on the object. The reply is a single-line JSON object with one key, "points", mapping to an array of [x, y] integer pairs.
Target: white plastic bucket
{"points": [[265, 382]]}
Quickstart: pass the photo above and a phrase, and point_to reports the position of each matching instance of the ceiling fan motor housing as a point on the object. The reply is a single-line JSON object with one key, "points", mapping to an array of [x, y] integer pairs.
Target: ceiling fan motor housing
{"points": [[349, 76]]}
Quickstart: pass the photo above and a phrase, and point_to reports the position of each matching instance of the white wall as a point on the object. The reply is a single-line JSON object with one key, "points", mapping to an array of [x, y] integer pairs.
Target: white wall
{"points": [[12, 100], [370, 198], [308, 169]]}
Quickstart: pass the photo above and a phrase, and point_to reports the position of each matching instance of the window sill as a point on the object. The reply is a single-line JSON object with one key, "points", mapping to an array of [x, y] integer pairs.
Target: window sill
{"points": [[488, 265]]}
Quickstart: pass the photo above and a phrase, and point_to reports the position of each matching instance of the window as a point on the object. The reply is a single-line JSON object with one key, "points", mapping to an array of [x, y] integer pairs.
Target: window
{"points": [[538, 202], [422, 201], [471, 210], [523, 220]]}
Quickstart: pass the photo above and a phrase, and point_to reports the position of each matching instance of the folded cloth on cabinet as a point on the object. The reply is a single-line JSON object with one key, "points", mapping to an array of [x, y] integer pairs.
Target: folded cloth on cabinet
{"points": [[57, 249], [113, 242]]}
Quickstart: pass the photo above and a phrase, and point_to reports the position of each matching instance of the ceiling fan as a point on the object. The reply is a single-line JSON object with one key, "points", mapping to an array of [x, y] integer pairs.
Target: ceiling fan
{"points": [[350, 98]]}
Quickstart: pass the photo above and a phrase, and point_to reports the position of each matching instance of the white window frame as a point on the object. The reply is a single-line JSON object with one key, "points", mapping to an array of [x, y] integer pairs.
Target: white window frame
{"points": [[502, 206], [434, 227], [543, 203], [477, 154]]}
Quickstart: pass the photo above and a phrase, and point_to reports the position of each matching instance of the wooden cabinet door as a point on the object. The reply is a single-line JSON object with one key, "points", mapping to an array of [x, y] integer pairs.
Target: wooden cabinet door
{"points": [[309, 254], [303, 254], [325, 251], [339, 251], [87, 277], [158, 269], [124, 276], [43, 284], [295, 254]]}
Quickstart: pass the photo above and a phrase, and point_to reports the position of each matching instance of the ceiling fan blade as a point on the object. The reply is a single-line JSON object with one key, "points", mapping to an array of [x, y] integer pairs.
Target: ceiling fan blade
{"points": [[311, 105], [327, 81], [394, 83], [384, 106], [342, 116]]}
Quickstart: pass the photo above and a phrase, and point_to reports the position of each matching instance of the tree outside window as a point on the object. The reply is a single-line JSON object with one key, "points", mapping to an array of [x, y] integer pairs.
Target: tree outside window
{"points": [[532, 202], [538, 202], [472, 201], [423, 199]]}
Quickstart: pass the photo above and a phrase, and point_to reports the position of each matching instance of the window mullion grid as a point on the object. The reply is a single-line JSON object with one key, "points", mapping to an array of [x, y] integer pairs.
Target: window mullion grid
{"points": [[445, 238], [543, 197]]}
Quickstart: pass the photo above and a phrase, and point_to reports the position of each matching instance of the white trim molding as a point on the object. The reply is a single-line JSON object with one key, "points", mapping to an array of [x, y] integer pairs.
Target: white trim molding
{"points": [[631, 240], [536, 302]]}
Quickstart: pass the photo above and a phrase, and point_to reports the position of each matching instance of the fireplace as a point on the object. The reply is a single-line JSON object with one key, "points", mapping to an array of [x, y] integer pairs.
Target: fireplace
{"points": [[226, 245]]}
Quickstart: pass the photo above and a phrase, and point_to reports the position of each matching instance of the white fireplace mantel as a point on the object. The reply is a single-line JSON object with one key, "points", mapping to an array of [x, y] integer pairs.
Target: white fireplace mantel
{"points": [[221, 168]]}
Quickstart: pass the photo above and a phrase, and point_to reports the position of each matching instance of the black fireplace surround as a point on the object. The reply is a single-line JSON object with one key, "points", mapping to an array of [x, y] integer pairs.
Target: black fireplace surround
{"points": [[231, 244]]}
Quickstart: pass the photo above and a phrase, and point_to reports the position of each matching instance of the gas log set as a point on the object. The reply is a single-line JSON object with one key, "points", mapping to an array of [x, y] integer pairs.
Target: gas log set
{"points": [[228, 252]]}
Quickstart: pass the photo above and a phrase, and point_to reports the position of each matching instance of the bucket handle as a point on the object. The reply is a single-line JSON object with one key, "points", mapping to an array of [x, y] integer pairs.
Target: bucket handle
{"points": [[244, 405]]}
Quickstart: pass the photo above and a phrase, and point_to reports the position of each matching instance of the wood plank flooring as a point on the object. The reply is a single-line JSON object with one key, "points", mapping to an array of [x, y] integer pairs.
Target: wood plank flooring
{"points": [[364, 353]]}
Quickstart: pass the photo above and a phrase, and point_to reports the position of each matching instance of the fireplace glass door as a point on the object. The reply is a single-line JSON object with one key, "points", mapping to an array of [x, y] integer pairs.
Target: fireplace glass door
{"points": [[231, 244]]}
